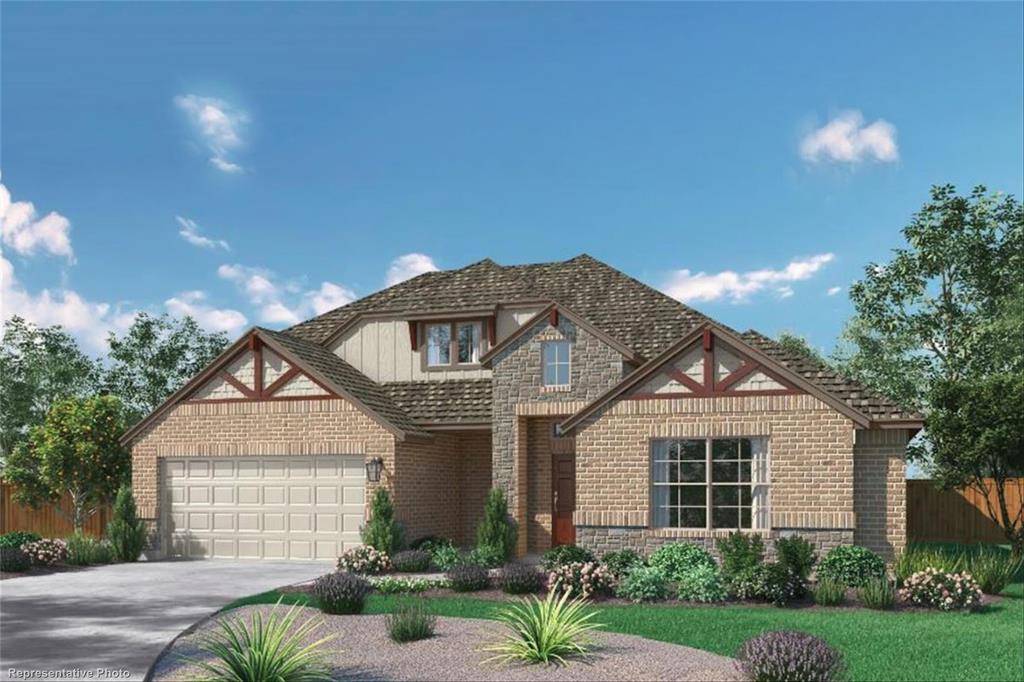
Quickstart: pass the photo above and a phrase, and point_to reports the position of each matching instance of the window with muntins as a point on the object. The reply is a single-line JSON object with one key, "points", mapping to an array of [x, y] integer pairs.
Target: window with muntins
{"points": [[556, 363], [710, 483], [439, 344], [468, 336]]}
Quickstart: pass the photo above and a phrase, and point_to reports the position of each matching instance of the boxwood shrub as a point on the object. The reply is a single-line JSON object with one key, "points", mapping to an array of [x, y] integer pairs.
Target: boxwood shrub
{"points": [[851, 565], [676, 558]]}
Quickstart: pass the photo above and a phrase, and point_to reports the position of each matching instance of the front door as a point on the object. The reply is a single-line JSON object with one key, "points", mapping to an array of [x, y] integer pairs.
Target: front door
{"points": [[563, 488]]}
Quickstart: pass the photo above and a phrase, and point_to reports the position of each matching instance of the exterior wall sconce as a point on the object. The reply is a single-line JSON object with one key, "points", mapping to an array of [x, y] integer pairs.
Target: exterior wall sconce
{"points": [[373, 468]]}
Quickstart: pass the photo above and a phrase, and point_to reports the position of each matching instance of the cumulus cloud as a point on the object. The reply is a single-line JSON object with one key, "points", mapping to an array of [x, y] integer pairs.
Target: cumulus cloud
{"points": [[189, 231], [328, 297], [283, 302], [25, 233], [220, 125], [408, 266], [832, 291], [194, 303], [846, 139], [686, 286]]}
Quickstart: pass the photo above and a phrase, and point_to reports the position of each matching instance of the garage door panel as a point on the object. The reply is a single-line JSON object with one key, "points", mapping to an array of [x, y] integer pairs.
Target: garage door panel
{"points": [[223, 468], [198, 494], [248, 494], [274, 494], [223, 495], [300, 494]]}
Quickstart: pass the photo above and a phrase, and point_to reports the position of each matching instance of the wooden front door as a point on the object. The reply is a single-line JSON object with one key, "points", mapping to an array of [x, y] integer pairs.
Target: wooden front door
{"points": [[563, 489]]}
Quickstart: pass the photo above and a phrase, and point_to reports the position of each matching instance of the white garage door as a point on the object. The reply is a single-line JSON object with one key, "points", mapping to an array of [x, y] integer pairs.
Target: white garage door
{"points": [[263, 507]]}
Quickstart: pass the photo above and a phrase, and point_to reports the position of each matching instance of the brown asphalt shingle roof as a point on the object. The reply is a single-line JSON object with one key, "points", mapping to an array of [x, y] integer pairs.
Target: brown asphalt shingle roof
{"points": [[453, 401]]}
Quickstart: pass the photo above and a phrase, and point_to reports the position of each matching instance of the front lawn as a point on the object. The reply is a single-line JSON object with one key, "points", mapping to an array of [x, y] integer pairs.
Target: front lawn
{"points": [[877, 645]]}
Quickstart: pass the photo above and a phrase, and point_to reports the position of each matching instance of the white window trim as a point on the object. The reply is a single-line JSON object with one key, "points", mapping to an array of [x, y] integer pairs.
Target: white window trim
{"points": [[477, 349], [567, 363]]}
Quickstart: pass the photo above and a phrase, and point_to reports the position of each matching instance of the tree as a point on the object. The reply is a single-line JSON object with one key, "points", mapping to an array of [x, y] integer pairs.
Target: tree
{"points": [[798, 345], [497, 529], [126, 533], [382, 532], [38, 366], [75, 451], [155, 357]]}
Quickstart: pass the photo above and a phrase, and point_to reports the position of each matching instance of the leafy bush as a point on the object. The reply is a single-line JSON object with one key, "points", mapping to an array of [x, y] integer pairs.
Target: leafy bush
{"points": [[341, 592], [46, 552], [916, 558], [622, 562], [785, 656], [771, 582], [566, 554], [545, 631], [581, 579], [829, 592], [468, 578], [945, 591], [84, 550], [851, 565], [18, 538], [270, 649], [796, 554], [676, 558], [740, 552], [364, 560], [411, 561], [125, 532], [443, 552], [701, 584], [645, 583], [14, 560], [993, 569], [519, 578], [487, 556], [878, 593], [497, 529], [428, 542], [749, 583], [410, 621], [382, 531], [391, 585]]}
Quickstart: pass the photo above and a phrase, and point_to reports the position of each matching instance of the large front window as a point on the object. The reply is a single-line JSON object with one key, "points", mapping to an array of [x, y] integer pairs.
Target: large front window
{"points": [[710, 483]]}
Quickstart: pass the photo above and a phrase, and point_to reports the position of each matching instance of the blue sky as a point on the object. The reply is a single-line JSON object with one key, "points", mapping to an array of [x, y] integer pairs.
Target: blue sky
{"points": [[255, 163]]}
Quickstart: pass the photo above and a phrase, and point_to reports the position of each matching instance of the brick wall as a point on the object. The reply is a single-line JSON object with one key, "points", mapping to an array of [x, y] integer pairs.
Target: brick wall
{"points": [[880, 490], [538, 508], [476, 482]]}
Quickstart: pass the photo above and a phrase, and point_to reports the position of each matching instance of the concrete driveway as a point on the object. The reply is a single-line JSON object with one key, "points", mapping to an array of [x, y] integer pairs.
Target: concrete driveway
{"points": [[120, 617]]}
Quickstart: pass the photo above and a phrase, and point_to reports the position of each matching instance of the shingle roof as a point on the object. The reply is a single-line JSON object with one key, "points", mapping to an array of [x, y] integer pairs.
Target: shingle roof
{"points": [[454, 401]]}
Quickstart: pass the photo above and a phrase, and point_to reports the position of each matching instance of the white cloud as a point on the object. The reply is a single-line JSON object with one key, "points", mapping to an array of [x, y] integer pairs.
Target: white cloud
{"points": [[328, 297], [220, 125], [739, 286], [283, 302], [214, 319], [190, 232], [846, 139], [408, 266], [832, 291], [26, 233]]}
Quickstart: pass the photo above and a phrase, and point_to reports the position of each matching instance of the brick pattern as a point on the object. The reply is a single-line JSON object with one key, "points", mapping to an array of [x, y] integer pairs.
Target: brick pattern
{"points": [[475, 482], [538, 508], [880, 490]]}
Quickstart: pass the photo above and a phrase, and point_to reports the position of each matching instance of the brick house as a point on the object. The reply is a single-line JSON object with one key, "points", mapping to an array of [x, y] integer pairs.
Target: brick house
{"points": [[612, 415]]}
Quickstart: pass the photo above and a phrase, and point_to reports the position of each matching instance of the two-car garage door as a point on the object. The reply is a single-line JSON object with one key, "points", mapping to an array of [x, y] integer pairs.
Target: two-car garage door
{"points": [[263, 507]]}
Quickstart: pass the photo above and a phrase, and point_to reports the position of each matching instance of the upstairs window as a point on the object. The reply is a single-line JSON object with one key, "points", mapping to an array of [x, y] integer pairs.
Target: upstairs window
{"points": [[556, 363], [468, 336], [453, 344], [439, 345]]}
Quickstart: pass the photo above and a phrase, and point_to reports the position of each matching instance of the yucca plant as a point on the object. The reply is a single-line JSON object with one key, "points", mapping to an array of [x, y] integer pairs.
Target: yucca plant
{"points": [[264, 649], [544, 631], [993, 569]]}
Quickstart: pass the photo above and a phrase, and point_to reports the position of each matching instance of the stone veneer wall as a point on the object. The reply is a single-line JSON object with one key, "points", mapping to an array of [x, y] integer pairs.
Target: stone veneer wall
{"points": [[880, 490]]}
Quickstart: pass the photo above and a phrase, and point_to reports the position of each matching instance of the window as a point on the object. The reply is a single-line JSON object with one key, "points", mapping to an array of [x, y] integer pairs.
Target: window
{"points": [[556, 363], [468, 335], [453, 344], [439, 345], [727, 477]]}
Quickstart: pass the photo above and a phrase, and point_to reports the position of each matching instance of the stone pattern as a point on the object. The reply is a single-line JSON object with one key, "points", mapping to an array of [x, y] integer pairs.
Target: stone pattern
{"points": [[880, 490]]}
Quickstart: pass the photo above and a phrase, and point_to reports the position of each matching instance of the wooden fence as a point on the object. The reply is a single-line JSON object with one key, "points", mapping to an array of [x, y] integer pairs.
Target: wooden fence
{"points": [[48, 521], [959, 516]]}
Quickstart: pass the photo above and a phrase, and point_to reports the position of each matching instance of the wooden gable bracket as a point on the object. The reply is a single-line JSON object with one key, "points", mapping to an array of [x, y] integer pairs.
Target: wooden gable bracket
{"points": [[413, 328], [553, 316]]}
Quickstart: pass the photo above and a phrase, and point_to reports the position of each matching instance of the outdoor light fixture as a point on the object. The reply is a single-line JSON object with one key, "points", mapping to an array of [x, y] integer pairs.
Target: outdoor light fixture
{"points": [[373, 468]]}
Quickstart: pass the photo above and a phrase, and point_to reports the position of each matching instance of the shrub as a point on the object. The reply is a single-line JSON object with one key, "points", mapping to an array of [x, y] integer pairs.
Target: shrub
{"points": [[14, 560], [382, 531], [916, 558], [497, 529], [341, 592], [702, 584], [581, 579], [993, 569], [125, 532], [851, 565], [829, 592], [18, 538], [676, 558], [749, 583], [270, 649], [446, 556], [487, 556], [783, 656], [545, 631], [46, 552], [428, 542], [740, 552], [84, 550], [645, 583], [519, 578], [781, 586], [468, 578], [796, 554], [878, 593], [364, 560], [622, 562], [390, 585], [945, 591], [566, 554], [410, 621], [411, 561]]}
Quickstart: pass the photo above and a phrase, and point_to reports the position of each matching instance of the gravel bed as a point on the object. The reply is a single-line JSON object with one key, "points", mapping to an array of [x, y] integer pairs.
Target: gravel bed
{"points": [[363, 651]]}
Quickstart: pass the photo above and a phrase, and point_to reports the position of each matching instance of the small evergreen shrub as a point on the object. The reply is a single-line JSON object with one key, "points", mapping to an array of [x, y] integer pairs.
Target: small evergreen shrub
{"points": [[784, 656], [701, 584], [829, 592], [936, 589], [750, 583], [497, 529], [851, 565], [676, 558], [878, 594], [364, 560], [85, 550], [382, 531], [14, 560], [519, 578], [410, 621], [411, 561], [645, 583], [428, 542], [342, 592], [622, 562], [781, 586], [796, 554], [468, 578], [18, 538], [125, 532], [487, 556], [391, 585], [581, 579], [566, 554], [46, 552], [740, 552]]}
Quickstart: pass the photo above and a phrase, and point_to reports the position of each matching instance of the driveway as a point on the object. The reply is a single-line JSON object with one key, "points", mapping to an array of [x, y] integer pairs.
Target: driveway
{"points": [[119, 617]]}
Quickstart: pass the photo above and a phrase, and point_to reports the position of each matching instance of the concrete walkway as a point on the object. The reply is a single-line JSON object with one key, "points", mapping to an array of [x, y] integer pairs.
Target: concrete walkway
{"points": [[120, 617]]}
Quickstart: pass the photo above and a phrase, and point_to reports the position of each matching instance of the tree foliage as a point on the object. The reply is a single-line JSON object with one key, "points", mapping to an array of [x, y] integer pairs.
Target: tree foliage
{"points": [[798, 345], [497, 529], [382, 531], [125, 532]]}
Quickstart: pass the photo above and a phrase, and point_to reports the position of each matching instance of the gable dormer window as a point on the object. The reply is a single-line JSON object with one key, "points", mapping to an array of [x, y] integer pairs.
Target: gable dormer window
{"points": [[453, 344], [467, 337], [439, 345]]}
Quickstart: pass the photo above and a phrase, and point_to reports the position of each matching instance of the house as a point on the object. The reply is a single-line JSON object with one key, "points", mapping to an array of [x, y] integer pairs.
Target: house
{"points": [[612, 415]]}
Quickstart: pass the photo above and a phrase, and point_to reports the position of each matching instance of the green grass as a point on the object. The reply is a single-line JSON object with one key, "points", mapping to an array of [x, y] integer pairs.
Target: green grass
{"points": [[878, 645]]}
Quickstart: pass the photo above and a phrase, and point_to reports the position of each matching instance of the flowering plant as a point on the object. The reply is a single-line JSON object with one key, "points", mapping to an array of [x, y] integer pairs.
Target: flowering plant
{"points": [[364, 560], [581, 579], [939, 590], [46, 552]]}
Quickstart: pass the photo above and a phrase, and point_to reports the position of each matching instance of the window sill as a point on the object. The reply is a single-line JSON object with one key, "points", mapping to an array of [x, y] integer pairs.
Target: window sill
{"points": [[449, 368], [706, 533], [556, 389]]}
